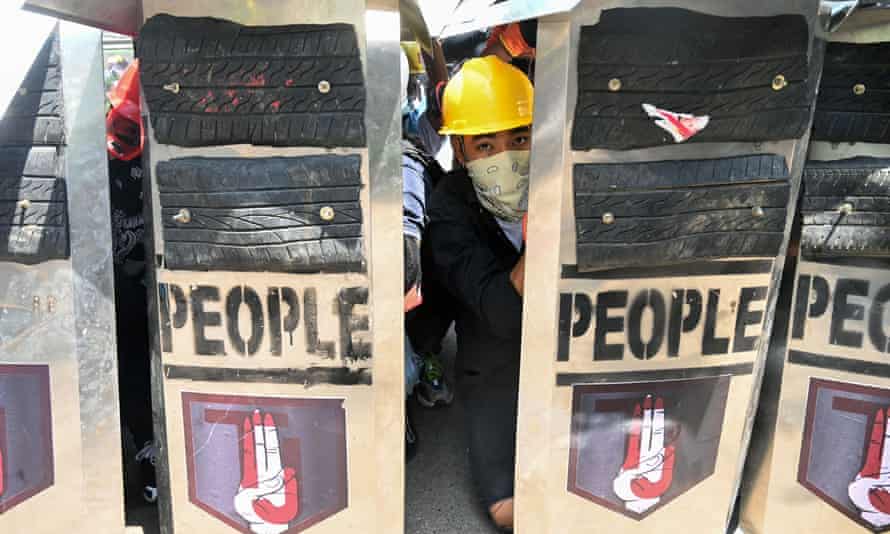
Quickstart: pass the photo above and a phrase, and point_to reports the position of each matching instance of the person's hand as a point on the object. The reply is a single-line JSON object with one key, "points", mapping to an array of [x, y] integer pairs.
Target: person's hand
{"points": [[413, 298], [870, 491], [267, 497], [648, 465]]}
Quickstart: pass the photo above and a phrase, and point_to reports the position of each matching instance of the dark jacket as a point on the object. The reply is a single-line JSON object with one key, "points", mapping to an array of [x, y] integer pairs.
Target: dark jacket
{"points": [[472, 258]]}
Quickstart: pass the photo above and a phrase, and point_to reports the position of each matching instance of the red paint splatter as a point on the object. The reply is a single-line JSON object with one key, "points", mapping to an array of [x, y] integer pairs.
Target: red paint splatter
{"points": [[235, 101], [202, 101], [256, 81], [275, 105], [230, 93], [211, 109], [289, 83]]}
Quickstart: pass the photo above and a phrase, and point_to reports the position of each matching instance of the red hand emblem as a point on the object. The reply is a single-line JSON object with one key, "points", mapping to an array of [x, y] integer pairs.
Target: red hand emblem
{"points": [[268, 497], [648, 468], [870, 491]]}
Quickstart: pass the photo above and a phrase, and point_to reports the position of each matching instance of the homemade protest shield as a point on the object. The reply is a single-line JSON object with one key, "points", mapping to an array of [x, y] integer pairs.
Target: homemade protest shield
{"points": [[60, 457], [276, 190], [667, 153], [820, 452]]}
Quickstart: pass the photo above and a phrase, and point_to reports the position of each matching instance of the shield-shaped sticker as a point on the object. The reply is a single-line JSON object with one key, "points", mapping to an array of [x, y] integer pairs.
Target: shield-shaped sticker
{"points": [[845, 454], [637, 446], [266, 464], [26, 442]]}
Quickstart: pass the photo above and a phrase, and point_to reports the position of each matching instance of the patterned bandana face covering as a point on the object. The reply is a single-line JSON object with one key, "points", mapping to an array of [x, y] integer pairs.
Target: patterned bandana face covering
{"points": [[501, 183]]}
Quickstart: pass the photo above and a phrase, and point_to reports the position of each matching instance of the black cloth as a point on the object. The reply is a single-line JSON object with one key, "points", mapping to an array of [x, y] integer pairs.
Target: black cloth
{"points": [[427, 324], [131, 297], [472, 258]]}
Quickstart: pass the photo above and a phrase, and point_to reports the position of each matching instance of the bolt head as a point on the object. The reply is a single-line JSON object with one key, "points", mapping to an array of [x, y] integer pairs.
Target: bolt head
{"points": [[324, 87], [757, 211], [859, 89], [172, 87], [614, 85], [183, 217], [846, 208], [326, 213], [608, 217], [24, 204], [779, 82]]}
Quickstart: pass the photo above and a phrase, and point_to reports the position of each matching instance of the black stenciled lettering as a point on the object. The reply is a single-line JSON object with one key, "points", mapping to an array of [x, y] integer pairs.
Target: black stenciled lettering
{"points": [[273, 303], [292, 319], [843, 310], [799, 321], [201, 319], [745, 317], [584, 312], [245, 295], [605, 324], [710, 343], [677, 324], [347, 299], [820, 304], [324, 349], [565, 322], [166, 331], [876, 332], [652, 299]]}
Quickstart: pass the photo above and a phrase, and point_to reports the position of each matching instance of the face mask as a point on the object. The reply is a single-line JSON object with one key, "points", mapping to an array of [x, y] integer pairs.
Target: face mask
{"points": [[501, 183]]}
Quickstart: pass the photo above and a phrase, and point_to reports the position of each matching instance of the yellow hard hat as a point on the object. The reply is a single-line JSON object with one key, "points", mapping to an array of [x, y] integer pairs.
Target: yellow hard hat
{"points": [[415, 59], [486, 96]]}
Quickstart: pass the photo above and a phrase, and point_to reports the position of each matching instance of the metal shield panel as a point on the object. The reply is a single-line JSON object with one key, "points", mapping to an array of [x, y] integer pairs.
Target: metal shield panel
{"points": [[26, 441], [649, 280], [296, 343], [220, 434]]}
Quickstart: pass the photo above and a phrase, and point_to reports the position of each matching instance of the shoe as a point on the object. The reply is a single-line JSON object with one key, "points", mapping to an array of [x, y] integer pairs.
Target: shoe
{"points": [[410, 439], [432, 389], [147, 458]]}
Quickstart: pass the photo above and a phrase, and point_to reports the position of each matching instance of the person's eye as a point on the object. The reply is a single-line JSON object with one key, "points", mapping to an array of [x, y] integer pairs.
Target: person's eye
{"points": [[521, 140], [484, 147]]}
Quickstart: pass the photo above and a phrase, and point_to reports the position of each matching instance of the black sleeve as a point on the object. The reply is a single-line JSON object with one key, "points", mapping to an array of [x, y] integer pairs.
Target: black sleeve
{"points": [[470, 270]]}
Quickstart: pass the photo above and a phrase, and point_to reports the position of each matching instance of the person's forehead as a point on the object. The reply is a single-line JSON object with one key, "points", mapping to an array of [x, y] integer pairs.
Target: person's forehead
{"points": [[503, 133]]}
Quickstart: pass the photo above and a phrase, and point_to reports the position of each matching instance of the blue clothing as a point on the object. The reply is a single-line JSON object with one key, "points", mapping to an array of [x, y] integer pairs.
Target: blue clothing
{"points": [[416, 189]]}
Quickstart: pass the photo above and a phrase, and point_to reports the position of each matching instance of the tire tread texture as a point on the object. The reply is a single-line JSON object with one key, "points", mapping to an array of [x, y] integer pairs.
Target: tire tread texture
{"points": [[252, 84], [668, 212], [843, 116], [864, 183], [33, 194], [694, 63], [262, 214]]}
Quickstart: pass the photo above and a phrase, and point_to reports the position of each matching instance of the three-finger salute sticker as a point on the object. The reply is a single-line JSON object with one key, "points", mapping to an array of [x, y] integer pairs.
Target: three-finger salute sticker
{"points": [[267, 497], [266, 465], [845, 453], [637, 446], [648, 465]]}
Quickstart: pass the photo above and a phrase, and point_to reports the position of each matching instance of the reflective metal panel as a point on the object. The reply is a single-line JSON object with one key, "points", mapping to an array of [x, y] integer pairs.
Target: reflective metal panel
{"points": [[119, 16], [315, 358], [59, 422], [595, 358], [471, 15]]}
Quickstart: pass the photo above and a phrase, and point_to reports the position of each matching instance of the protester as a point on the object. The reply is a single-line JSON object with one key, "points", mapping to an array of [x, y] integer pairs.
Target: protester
{"points": [[125, 141], [476, 241]]}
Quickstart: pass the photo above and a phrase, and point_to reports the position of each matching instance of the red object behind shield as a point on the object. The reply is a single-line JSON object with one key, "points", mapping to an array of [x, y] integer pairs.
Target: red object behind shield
{"points": [[124, 132]]}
